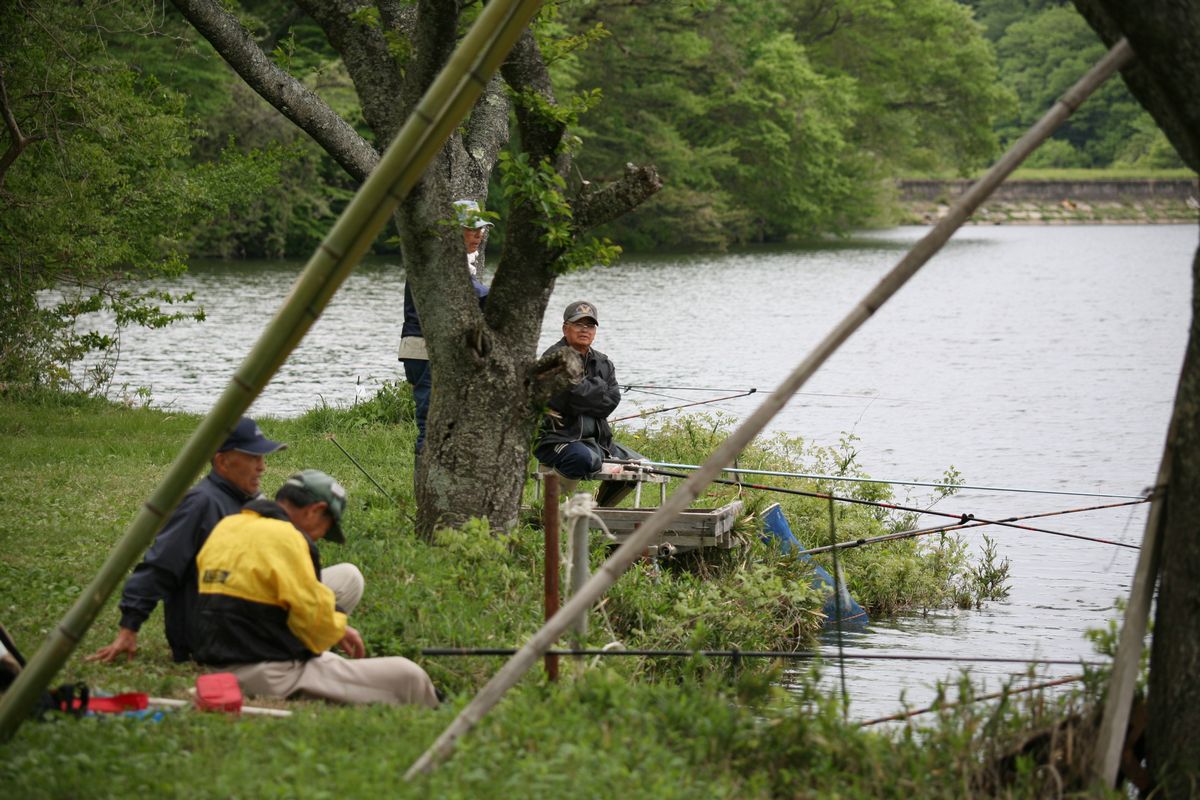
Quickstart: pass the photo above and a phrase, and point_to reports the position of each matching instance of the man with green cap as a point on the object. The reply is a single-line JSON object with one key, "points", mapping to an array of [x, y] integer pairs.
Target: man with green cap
{"points": [[265, 615]]}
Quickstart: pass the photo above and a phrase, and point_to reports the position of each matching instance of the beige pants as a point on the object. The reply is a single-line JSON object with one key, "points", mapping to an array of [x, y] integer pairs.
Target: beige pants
{"points": [[392, 680], [347, 584]]}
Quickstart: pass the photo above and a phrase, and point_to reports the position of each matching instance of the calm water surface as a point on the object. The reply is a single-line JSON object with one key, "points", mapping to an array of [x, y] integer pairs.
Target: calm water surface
{"points": [[1041, 357]]}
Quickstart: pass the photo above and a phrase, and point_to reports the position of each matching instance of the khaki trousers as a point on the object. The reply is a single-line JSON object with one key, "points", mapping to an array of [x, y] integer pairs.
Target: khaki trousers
{"points": [[392, 680], [347, 584]]}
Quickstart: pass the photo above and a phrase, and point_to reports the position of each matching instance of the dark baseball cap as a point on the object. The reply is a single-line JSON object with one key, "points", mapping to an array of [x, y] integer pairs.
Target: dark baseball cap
{"points": [[247, 437], [579, 310], [323, 489]]}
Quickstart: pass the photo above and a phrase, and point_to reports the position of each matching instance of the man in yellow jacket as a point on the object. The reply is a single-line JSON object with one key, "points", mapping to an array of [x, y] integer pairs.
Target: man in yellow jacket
{"points": [[265, 616]]}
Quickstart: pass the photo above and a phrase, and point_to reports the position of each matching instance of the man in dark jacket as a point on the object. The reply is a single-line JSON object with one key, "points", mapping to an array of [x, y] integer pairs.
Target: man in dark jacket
{"points": [[575, 436], [168, 570]]}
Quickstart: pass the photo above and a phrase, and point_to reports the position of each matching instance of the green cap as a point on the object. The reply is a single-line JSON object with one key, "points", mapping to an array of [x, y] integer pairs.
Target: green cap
{"points": [[324, 489]]}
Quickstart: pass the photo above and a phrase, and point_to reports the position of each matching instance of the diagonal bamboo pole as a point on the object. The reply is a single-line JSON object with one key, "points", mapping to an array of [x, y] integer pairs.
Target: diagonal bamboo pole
{"points": [[632, 548], [443, 106]]}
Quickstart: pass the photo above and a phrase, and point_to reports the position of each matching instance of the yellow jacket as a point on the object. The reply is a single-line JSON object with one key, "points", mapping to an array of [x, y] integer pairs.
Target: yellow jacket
{"points": [[261, 598]]}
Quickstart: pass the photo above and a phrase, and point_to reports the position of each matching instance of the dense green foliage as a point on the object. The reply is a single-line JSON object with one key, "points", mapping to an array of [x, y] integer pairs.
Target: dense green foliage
{"points": [[780, 119], [1043, 47], [611, 730], [98, 190]]}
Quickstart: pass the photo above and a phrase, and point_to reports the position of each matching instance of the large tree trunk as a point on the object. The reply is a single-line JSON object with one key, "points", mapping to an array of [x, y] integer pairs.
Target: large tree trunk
{"points": [[1165, 78], [487, 388]]}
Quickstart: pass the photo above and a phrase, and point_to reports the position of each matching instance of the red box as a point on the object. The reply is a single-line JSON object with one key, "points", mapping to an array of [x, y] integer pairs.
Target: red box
{"points": [[218, 691]]}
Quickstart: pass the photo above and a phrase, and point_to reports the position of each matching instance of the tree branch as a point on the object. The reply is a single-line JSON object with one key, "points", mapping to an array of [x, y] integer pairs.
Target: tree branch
{"points": [[378, 77], [292, 99], [594, 208], [19, 140]]}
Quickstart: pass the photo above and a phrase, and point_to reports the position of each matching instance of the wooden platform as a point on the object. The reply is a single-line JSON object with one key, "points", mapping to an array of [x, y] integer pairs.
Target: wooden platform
{"points": [[696, 527]]}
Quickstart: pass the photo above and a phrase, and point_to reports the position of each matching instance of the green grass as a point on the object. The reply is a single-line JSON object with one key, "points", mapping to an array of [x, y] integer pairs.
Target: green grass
{"points": [[74, 471]]}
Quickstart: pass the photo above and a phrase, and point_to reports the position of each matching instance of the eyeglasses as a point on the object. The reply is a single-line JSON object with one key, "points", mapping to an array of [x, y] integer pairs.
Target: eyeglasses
{"points": [[583, 326]]}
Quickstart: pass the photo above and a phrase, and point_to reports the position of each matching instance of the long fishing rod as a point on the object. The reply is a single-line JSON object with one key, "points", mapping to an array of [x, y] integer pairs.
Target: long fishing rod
{"points": [[685, 405], [799, 655], [895, 507], [993, 696], [967, 521], [643, 386], [852, 479]]}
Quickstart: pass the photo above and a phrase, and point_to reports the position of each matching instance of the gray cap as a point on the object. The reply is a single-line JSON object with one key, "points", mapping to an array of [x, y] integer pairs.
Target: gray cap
{"points": [[580, 309], [324, 489], [469, 215]]}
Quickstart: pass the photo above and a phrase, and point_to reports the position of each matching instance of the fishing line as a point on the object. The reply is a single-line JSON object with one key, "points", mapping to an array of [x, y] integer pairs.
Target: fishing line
{"points": [[968, 521], [964, 518], [685, 405], [851, 479]]}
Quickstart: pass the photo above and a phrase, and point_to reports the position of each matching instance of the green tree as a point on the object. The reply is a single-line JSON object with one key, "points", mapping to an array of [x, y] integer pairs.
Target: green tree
{"points": [[778, 119], [487, 387], [94, 196]]}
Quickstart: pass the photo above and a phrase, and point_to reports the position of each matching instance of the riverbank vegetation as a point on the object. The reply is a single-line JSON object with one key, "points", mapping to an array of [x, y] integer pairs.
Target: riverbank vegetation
{"points": [[77, 468]]}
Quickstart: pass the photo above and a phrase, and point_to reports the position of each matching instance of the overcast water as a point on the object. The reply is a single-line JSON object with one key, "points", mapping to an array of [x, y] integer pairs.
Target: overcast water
{"points": [[1033, 357]]}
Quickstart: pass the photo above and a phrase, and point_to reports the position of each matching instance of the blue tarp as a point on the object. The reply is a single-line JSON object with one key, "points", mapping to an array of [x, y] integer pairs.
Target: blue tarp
{"points": [[775, 525]]}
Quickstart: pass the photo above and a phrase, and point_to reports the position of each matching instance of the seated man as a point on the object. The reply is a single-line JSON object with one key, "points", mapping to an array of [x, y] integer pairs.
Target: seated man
{"points": [[575, 436], [167, 572], [265, 616]]}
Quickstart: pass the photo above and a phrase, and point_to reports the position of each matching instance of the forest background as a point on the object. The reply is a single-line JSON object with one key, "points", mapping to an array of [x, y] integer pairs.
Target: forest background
{"points": [[129, 146]]}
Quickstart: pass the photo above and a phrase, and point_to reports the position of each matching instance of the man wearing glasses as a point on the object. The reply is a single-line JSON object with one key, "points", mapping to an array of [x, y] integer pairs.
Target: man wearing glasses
{"points": [[575, 435]]}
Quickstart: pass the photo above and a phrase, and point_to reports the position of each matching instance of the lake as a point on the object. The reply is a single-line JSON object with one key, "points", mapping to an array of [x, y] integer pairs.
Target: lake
{"points": [[1038, 357]]}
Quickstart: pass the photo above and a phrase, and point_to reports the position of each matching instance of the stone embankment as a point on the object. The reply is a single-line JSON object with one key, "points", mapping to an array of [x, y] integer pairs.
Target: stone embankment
{"points": [[1026, 202]]}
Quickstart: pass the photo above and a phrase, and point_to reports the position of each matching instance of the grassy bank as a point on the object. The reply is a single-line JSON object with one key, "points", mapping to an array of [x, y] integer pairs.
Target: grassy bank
{"points": [[75, 471]]}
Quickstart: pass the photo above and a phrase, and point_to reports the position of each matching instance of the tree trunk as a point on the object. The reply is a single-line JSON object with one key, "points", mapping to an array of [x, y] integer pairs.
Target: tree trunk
{"points": [[1165, 35]]}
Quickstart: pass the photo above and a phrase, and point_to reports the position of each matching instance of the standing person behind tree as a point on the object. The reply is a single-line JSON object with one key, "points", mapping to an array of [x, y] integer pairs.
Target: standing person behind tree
{"points": [[413, 354], [167, 572], [266, 617], [575, 435]]}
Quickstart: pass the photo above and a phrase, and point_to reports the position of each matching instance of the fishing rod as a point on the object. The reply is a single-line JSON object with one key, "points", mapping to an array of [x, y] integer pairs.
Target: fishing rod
{"points": [[852, 479], [735, 653], [644, 386], [893, 506], [685, 405], [967, 521], [1006, 692]]}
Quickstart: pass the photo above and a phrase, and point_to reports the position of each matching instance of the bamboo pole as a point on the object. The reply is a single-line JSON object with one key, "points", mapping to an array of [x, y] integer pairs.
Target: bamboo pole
{"points": [[443, 106], [632, 548], [1114, 722]]}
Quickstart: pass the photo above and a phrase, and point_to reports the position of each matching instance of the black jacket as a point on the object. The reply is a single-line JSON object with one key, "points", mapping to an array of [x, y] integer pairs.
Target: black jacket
{"points": [[168, 570], [582, 411]]}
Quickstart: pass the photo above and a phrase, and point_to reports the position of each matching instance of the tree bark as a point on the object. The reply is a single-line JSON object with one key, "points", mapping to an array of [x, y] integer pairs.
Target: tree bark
{"points": [[1165, 35], [487, 386]]}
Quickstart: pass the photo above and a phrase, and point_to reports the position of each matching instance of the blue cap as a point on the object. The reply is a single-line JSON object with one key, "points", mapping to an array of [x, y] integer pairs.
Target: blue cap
{"points": [[247, 437]]}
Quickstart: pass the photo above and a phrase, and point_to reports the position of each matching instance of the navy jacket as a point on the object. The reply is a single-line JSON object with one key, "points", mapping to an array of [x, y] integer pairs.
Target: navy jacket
{"points": [[412, 323], [168, 570], [584, 408]]}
